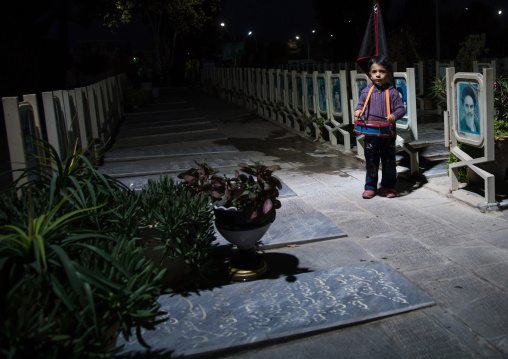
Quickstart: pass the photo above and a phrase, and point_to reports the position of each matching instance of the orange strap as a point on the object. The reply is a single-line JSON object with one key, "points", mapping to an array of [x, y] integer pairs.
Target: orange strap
{"points": [[387, 102], [368, 98]]}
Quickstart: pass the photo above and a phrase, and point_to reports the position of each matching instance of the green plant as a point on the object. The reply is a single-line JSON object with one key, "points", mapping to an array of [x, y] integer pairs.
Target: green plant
{"points": [[472, 48], [136, 97], [71, 273], [474, 152], [184, 222], [320, 121], [307, 120], [279, 106], [501, 107], [438, 87], [255, 190]]}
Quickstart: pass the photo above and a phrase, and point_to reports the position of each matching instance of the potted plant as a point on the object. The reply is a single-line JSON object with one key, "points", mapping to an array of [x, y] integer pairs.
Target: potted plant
{"points": [[244, 206]]}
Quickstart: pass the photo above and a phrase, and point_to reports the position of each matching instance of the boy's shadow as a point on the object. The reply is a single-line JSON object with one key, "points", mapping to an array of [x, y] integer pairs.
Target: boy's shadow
{"points": [[407, 184]]}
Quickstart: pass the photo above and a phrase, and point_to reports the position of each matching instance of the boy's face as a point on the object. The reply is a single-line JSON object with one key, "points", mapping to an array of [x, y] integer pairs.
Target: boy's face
{"points": [[379, 74]]}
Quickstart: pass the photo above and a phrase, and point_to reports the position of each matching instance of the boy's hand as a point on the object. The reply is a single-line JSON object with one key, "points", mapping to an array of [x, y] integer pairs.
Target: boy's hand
{"points": [[358, 113], [391, 118]]}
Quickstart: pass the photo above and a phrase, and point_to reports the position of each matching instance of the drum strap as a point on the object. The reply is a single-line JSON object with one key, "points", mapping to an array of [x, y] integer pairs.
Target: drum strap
{"points": [[368, 98]]}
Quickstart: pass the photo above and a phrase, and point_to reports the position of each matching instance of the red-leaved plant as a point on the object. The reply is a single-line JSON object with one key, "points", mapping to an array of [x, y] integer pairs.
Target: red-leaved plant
{"points": [[254, 189]]}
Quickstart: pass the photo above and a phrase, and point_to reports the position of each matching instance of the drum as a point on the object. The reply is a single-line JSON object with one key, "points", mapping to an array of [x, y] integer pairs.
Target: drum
{"points": [[373, 128]]}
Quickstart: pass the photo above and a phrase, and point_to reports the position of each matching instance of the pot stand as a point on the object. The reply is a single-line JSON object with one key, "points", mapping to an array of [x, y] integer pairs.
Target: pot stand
{"points": [[247, 265]]}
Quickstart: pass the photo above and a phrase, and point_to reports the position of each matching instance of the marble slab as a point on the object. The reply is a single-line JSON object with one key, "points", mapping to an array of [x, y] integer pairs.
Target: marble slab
{"points": [[158, 151], [164, 131], [164, 165], [129, 124], [245, 315], [164, 111], [296, 229], [169, 139]]}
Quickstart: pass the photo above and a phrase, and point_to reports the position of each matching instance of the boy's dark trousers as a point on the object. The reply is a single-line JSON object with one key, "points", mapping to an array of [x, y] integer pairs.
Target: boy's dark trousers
{"points": [[377, 148]]}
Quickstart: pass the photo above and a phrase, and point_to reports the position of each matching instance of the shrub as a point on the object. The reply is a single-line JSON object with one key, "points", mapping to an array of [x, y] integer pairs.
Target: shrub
{"points": [[71, 273], [184, 222]]}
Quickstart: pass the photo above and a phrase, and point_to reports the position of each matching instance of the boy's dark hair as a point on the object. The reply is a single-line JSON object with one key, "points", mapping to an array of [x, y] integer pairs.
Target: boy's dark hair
{"points": [[383, 61]]}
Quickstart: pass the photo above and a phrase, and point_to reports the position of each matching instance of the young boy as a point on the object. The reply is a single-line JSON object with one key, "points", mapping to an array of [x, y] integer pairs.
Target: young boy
{"points": [[380, 145]]}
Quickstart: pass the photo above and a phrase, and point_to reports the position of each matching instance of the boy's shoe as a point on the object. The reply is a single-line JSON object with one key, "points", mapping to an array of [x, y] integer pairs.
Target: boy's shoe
{"points": [[390, 193], [368, 194]]}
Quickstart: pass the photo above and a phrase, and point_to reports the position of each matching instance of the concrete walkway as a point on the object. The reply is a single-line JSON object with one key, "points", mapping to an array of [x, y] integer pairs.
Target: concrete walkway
{"points": [[454, 253]]}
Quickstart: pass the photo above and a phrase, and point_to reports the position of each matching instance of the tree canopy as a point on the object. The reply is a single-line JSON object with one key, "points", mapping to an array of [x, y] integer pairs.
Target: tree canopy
{"points": [[168, 19]]}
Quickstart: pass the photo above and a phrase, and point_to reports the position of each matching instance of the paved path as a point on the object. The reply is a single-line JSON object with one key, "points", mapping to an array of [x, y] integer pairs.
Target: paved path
{"points": [[454, 253]]}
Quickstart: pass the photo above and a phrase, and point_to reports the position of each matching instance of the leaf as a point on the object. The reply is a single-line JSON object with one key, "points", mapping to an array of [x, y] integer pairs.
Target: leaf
{"points": [[267, 206]]}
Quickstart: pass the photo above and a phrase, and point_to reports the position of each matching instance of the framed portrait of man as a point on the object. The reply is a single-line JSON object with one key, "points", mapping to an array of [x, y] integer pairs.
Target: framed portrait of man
{"points": [[336, 99], [360, 85], [321, 94], [267, 85], [401, 87], [281, 88], [289, 79], [310, 92], [468, 107], [299, 91]]}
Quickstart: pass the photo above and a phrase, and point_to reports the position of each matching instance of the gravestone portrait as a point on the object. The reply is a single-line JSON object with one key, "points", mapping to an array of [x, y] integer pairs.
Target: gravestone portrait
{"points": [[290, 88], [310, 93], [337, 104], [299, 91], [281, 87], [360, 84], [322, 94], [468, 107], [401, 87]]}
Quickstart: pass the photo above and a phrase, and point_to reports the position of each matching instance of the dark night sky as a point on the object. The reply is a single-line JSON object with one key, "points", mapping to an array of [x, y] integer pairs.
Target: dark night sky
{"points": [[284, 19], [270, 20]]}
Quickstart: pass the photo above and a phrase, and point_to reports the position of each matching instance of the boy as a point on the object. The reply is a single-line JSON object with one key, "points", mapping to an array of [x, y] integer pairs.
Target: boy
{"points": [[381, 106]]}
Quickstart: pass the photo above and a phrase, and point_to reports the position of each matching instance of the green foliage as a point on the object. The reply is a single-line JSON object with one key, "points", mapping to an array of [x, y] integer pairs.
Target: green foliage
{"points": [[474, 152], [473, 47], [71, 273], [438, 87], [402, 48], [500, 128], [167, 18], [501, 107], [136, 97], [183, 221], [320, 121], [255, 190], [307, 120]]}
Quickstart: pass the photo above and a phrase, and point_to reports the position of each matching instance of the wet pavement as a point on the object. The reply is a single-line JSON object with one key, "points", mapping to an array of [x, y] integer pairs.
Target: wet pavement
{"points": [[451, 252]]}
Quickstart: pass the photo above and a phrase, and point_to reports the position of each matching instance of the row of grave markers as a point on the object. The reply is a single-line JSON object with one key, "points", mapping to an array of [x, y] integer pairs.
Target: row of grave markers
{"points": [[317, 103], [73, 120]]}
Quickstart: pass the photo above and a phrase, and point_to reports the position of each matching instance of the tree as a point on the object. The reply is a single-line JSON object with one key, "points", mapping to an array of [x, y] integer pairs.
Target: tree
{"points": [[474, 47], [168, 19]]}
